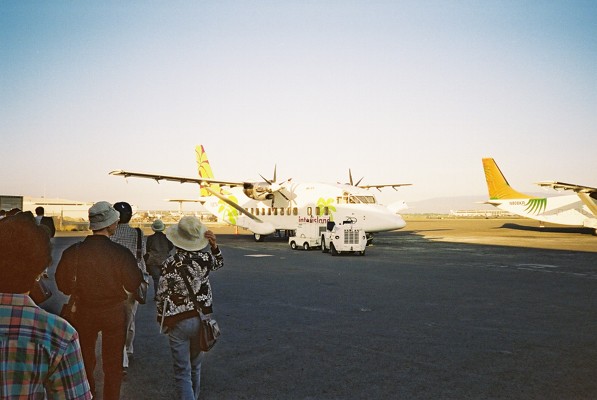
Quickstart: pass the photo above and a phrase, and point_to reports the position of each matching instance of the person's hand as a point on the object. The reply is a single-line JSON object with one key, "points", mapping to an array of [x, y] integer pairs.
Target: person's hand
{"points": [[211, 237]]}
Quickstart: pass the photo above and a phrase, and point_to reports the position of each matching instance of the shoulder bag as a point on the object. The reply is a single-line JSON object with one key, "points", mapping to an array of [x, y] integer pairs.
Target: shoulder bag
{"points": [[40, 291], [141, 293], [209, 330]]}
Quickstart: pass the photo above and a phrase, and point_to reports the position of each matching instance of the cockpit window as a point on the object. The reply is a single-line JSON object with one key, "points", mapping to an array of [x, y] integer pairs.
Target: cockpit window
{"points": [[348, 198]]}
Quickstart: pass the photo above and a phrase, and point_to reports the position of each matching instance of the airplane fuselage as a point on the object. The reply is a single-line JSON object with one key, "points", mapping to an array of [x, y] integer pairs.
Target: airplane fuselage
{"points": [[562, 210], [311, 202]]}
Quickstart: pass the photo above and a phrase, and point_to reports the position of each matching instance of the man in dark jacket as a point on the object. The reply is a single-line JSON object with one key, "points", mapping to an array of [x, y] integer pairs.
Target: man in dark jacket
{"points": [[159, 248], [44, 221], [98, 271]]}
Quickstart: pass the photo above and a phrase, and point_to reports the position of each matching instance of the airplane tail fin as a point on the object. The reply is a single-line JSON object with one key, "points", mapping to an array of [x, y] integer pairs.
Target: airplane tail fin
{"points": [[498, 186], [205, 171]]}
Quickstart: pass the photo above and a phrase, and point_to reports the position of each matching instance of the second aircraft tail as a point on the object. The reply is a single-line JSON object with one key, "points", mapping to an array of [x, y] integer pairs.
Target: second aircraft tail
{"points": [[497, 185]]}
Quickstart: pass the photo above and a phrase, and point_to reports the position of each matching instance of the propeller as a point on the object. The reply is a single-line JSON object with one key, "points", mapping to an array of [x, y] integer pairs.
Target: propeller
{"points": [[275, 187], [350, 179]]}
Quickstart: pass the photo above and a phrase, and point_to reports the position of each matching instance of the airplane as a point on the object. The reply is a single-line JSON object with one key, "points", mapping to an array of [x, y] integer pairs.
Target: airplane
{"points": [[267, 207], [579, 209]]}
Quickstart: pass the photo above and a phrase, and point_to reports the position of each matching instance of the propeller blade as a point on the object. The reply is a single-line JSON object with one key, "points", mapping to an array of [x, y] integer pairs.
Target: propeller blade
{"points": [[265, 179], [351, 180]]}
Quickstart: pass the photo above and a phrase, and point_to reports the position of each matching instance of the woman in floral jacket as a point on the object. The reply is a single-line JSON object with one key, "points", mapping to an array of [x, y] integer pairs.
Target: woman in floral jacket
{"points": [[189, 266]]}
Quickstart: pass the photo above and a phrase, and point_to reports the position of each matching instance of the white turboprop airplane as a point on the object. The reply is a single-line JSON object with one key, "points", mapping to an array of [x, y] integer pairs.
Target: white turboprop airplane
{"points": [[579, 209], [267, 206]]}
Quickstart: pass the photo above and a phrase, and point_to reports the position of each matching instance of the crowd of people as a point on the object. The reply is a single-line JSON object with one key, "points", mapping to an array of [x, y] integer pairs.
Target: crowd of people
{"points": [[45, 356]]}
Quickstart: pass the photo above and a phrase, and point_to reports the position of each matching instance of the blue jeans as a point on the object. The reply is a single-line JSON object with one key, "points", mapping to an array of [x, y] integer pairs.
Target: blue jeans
{"points": [[186, 358]]}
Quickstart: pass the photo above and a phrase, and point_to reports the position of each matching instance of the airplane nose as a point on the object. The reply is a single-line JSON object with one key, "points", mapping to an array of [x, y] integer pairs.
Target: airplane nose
{"points": [[389, 222], [399, 222]]}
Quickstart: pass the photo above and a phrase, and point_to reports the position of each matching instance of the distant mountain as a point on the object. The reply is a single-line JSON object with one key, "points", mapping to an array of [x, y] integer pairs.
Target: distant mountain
{"points": [[443, 205]]}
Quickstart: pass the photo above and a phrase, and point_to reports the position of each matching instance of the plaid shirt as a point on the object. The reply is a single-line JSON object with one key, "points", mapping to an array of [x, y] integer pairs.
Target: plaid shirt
{"points": [[40, 353], [127, 236]]}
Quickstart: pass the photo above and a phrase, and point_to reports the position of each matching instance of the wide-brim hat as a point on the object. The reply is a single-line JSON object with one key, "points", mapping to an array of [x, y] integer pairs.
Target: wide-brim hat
{"points": [[188, 234], [101, 215], [158, 225]]}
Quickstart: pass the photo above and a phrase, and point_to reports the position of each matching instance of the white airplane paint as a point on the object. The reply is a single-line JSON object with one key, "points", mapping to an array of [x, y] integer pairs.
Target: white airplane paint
{"points": [[267, 206], [579, 209]]}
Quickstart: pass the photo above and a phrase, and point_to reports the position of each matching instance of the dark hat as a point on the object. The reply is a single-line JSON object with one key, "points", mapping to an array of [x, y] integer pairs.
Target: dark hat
{"points": [[123, 208]]}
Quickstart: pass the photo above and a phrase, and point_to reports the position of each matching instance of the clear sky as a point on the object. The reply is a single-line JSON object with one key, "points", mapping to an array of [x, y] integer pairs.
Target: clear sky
{"points": [[398, 91]]}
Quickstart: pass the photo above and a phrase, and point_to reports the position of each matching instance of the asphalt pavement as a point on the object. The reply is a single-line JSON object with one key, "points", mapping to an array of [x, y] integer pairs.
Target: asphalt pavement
{"points": [[416, 318]]}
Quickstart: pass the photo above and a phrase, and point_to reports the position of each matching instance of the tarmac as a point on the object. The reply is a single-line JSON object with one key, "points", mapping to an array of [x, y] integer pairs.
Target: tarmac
{"points": [[442, 309]]}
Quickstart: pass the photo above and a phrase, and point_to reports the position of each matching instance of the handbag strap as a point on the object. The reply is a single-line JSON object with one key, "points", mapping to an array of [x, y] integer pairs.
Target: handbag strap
{"points": [[193, 295], [139, 241], [74, 288]]}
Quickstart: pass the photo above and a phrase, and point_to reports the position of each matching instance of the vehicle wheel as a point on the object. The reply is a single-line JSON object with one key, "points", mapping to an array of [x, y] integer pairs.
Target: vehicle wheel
{"points": [[293, 245], [323, 248], [362, 253], [305, 246], [258, 237], [333, 250]]}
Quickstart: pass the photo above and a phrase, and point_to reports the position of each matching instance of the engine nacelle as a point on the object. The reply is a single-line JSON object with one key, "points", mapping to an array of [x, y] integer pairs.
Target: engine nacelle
{"points": [[258, 190]]}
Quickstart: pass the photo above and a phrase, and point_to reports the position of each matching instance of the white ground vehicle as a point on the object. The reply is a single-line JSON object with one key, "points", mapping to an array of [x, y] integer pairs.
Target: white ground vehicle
{"points": [[307, 235], [342, 237]]}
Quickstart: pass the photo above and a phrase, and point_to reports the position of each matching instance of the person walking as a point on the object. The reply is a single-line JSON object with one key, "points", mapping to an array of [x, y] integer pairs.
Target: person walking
{"points": [[132, 239], [98, 271], [189, 266], [158, 249], [40, 352], [42, 220]]}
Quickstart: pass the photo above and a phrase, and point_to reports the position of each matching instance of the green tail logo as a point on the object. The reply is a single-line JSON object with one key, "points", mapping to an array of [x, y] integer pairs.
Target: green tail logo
{"points": [[536, 206]]}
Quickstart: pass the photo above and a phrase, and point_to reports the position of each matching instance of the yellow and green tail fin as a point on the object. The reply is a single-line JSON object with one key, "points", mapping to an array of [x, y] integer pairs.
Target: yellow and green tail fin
{"points": [[498, 186], [204, 169]]}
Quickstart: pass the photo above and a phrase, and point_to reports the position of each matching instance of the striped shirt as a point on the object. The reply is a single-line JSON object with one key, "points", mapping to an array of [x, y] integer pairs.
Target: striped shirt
{"points": [[40, 355]]}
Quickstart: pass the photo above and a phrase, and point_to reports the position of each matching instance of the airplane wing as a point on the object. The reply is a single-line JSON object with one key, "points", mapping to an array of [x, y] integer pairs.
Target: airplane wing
{"points": [[180, 179], [186, 200], [586, 194], [568, 186], [378, 187], [199, 181]]}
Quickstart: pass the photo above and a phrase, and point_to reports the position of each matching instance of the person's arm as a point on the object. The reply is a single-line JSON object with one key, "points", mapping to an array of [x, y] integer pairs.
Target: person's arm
{"points": [[68, 379], [63, 275], [131, 274], [217, 259]]}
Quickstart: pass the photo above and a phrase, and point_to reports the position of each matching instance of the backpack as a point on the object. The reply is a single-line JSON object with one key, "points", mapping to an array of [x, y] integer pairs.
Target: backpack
{"points": [[158, 249]]}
